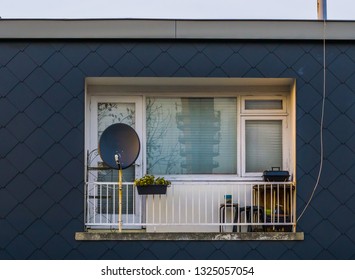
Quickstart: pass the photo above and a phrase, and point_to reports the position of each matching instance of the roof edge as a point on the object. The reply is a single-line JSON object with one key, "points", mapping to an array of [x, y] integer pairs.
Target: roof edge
{"points": [[175, 29]]}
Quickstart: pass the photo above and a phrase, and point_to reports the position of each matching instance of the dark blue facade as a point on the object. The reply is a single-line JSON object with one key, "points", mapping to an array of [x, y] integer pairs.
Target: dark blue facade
{"points": [[42, 141]]}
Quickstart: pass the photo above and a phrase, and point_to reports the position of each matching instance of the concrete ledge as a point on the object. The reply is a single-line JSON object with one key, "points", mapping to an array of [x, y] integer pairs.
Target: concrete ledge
{"points": [[131, 236]]}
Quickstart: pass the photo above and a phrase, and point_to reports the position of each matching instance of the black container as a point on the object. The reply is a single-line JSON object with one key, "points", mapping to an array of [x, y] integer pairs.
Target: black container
{"points": [[276, 175], [152, 189]]}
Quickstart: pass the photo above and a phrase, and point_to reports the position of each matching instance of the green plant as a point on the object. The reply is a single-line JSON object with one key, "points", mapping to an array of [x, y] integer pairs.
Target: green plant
{"points": [[147, 180]]}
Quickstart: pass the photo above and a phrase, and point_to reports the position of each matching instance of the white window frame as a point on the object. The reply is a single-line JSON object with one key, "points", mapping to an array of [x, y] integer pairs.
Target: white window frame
{"points": [[285, 154], [264, 111], [265, 114]]}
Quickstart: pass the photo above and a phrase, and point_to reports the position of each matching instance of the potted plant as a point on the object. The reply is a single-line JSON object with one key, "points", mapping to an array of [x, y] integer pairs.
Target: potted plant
{"points": [[148, 184]]}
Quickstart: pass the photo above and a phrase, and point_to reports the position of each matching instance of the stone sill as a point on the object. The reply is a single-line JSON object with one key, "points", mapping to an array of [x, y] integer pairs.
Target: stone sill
{"points": [[183, 236]]}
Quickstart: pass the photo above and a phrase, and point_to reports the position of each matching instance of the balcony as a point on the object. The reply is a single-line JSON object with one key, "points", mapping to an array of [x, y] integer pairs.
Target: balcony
{"points": [[192, 207]]}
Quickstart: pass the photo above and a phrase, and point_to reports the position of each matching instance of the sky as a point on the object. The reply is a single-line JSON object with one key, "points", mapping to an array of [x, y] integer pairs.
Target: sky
{"points": [[177, 9]]}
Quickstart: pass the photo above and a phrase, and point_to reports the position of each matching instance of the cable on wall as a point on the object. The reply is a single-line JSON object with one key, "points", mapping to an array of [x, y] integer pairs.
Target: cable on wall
{"points": [[321, 126]]}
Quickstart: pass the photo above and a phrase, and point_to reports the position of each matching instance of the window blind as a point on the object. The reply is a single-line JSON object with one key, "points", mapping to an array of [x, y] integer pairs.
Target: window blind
{"points": [[191, 135], [263, 144]]}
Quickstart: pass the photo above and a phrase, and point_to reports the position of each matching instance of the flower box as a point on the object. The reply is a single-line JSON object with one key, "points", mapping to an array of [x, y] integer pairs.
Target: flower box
{"points": [[152, 189]]}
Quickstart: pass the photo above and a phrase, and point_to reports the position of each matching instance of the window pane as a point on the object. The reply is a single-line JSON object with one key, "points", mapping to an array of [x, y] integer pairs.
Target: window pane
{"points": [[191, 135], [263, 141], [263, 104]]}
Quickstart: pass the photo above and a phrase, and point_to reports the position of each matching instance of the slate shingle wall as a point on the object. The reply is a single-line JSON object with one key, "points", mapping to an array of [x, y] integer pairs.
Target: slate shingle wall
{"points": [[42, 117]]}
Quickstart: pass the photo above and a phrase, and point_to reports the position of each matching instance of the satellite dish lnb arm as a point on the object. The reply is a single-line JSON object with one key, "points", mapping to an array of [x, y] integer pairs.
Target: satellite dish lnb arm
{"points": [[117, 160]]}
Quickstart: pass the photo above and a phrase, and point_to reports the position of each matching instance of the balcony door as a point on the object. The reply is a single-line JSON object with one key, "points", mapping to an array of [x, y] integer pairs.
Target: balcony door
{"points": [[105, 111]]}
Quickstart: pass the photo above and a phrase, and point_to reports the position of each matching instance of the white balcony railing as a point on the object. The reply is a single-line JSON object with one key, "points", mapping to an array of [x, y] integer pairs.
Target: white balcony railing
{"points": [[194, 207]]}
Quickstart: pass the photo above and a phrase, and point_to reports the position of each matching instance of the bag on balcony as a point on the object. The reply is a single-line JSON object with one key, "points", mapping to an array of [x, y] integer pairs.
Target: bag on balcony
{"points": [[276, 175]]}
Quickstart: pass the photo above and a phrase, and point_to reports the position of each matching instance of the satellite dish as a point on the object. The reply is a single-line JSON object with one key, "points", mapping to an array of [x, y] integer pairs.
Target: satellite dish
{"points": [[119, 145]]}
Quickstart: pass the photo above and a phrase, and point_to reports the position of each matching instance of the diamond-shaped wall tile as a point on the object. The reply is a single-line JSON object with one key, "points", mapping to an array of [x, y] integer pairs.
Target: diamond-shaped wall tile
{"points": [[75, 225], [7, 81], [69, 202], [39, 51], [340, 218], [309, 249], [342, 67], [309, 157], [7, 52], [217, 53], [326, 239], [7, 111], [57, 187], [165, 251], [289, 55], [21, 126], [39, 141], [206, 252], [39, 172], [39, 233], [57, 126], [325, 203], [307, 128], [7, 172], [342, 128], [235, 66], [39, 81], [39, 111], [307, 67], [253, 53], [8, 141], [343, 248], [56, 218], [329, 173], [7, 203], [21, 66], [21, 157], [58, 247], [73, 142], [145, 53], [112, 52], [129, 65], [74, 81], [182, 53], [21, 96], [93, 65], [271, 66], [342, 97], [75, 52], [73, 112], [57, 66], [38, 202], [342, 158], [164, 65], [21, 187], [21, 218], [310, 219], [21, 248], [73, 172], [52, 159], [57, 96], [308, 97], [7, 233], [342, 188]]}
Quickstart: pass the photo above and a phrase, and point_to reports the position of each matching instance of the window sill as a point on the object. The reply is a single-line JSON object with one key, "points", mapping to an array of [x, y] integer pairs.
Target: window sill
{"points": [[183, 236]]}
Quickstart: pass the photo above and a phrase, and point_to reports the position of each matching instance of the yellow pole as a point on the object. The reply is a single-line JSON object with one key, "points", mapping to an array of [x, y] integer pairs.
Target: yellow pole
{"points": [[120, 199]]}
